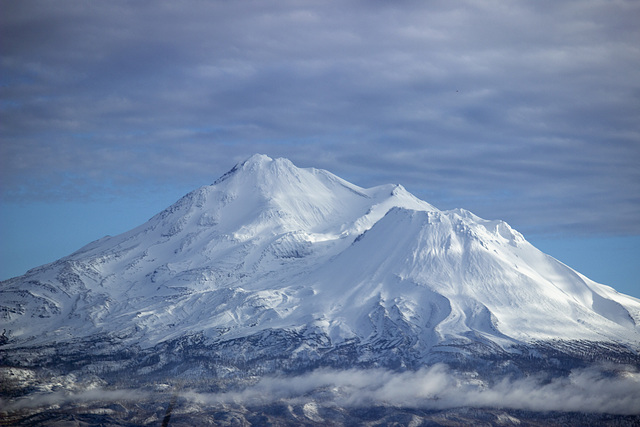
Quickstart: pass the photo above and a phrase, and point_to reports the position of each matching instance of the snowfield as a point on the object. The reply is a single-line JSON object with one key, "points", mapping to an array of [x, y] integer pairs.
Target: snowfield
{"points": [[273, 246]]}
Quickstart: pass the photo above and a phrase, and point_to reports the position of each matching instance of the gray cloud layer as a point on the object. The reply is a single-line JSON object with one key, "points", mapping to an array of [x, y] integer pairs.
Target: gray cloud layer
{"points": [[528, 111]]}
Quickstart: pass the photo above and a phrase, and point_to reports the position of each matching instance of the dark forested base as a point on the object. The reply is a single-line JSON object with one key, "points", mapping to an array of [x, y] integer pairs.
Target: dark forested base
{"points": [[180, 382], [185, 413], [192, 358]]}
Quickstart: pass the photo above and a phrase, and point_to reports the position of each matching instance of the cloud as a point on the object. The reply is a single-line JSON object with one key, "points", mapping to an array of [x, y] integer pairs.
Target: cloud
{"points": [[589, 390], [524, 110], [57, 398]]}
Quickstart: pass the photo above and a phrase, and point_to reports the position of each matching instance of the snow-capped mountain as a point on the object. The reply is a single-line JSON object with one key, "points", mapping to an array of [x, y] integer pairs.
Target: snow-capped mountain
{"points": [[312, 267]]}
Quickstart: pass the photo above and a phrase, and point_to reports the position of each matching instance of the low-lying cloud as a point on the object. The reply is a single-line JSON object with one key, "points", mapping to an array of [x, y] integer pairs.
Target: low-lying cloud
{"points": [[437, 387], [63, 397], [591, 390]]}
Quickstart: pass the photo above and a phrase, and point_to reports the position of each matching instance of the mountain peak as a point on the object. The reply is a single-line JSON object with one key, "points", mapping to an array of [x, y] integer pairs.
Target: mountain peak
{"points": [[278, 269], [256, 161], [267, 237], [260, 165]]}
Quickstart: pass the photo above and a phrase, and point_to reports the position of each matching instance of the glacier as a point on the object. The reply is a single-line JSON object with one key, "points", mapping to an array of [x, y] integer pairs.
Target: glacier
{"points": [[275, 269]]}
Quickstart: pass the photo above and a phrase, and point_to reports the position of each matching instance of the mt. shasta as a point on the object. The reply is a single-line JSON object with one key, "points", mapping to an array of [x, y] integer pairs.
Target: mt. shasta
{"points": [[286, 268]]}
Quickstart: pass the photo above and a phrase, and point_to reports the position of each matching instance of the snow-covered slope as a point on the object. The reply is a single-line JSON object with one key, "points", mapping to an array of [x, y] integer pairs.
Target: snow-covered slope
{"points": [[270, 246]]}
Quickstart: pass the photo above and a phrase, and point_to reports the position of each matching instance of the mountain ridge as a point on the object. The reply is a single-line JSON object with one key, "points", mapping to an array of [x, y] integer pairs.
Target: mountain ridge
{"points": [[288, 296], [270, 246]]}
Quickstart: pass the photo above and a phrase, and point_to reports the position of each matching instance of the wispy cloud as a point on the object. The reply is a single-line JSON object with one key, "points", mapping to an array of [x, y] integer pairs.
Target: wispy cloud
{"points": [[585, 390], [62, 397], [591, 390]]}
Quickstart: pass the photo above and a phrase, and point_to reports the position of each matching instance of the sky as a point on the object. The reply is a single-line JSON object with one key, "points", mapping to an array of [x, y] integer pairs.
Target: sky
{"points": [[523, 111]]}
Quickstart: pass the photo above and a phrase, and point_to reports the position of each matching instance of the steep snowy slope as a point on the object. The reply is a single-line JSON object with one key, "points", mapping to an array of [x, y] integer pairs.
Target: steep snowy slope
{"points": [[467, 277], [272, 247]]}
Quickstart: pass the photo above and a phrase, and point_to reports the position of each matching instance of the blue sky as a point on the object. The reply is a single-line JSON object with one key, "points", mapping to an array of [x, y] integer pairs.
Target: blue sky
{"points": [[523, 111]]}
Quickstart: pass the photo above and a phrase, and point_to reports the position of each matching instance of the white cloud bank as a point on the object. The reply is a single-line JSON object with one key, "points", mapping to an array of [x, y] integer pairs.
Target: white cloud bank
{"points": [[590, 390], [585, 390]]}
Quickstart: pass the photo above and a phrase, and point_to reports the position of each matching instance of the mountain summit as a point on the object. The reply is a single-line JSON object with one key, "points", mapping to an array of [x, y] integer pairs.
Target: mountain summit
{"points": [[286, 266]]}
